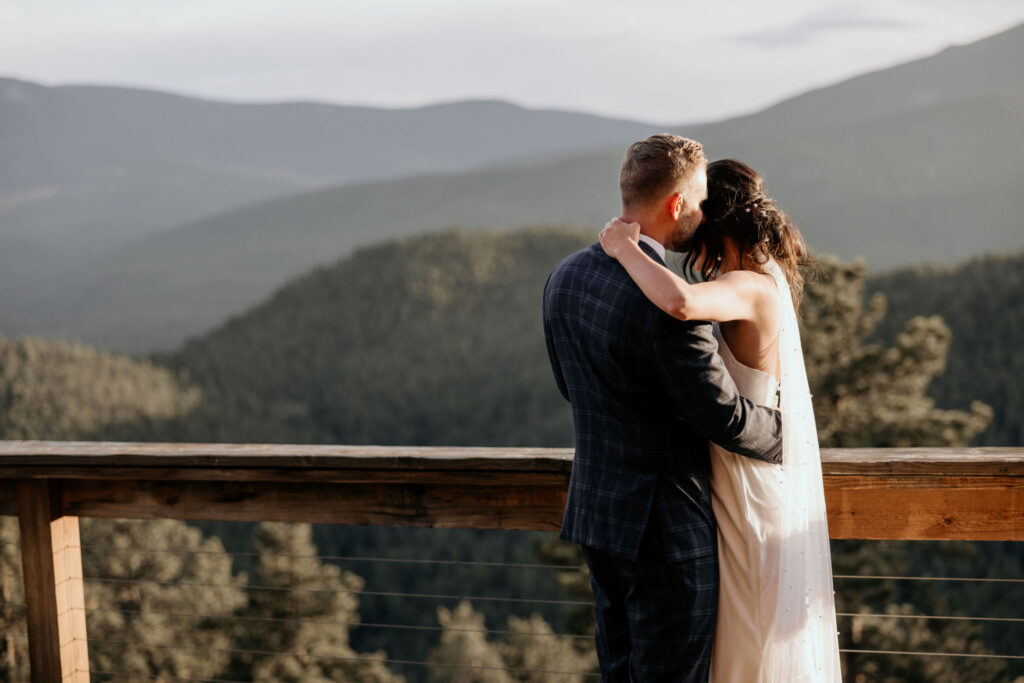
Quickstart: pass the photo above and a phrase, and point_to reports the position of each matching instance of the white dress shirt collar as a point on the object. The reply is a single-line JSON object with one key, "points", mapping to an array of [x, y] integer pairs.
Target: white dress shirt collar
{"points": [[654, 244]]}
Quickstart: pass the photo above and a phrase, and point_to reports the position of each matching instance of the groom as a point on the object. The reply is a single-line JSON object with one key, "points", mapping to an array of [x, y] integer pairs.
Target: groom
{"points": [[648, 392]]}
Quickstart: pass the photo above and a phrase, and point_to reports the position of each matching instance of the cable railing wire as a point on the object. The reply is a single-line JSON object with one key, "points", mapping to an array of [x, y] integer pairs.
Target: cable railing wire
{"points": [[338, 558], [436, 596], [928, 616], [337, 658], [924, 578], [510, 565], [162, 677], [393, 594], [932, 654], [300, 620]]}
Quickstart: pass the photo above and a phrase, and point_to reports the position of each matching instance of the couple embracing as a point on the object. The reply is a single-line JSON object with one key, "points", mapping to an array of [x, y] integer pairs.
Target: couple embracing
{"points": [[696, 490]]}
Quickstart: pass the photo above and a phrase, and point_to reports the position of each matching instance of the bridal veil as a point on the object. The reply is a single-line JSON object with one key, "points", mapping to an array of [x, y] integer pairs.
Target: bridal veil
{"points": [[803, 645]]}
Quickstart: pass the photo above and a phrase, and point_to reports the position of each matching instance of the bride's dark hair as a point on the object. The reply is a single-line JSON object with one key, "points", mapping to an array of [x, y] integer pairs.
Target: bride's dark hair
{"points": [[737, 207]]}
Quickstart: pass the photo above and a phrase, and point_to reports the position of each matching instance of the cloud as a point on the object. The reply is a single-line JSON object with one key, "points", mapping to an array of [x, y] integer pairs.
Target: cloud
{"points": [[839, 18]]}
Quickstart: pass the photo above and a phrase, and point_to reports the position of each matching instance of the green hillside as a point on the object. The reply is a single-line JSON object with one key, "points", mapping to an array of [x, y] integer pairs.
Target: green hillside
{"points": [[431, 340], [58, 391], [916, 163], [437, 340], [982, 301]]}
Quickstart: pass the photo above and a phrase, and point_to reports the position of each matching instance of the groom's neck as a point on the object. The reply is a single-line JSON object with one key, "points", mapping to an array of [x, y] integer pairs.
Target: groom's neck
{"points": [[649, 224]]}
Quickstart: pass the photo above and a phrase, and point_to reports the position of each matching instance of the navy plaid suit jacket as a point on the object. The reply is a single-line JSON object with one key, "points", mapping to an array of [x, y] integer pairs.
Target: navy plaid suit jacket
{"points": [[648, 392]]}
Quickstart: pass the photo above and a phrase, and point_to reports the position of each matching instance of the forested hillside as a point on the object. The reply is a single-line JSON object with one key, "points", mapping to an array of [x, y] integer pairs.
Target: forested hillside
{"points": [[62, 391], [430, 340], [982, 302], [437, 340]]}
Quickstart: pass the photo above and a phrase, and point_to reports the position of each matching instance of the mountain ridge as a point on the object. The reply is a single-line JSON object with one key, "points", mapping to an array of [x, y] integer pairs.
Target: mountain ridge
{"points": [[926, 168], [163, 159]]}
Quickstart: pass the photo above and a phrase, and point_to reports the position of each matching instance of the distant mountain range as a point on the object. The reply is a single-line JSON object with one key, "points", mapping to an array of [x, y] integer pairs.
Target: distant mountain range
{"points": [[90, 168], [916, 163]]}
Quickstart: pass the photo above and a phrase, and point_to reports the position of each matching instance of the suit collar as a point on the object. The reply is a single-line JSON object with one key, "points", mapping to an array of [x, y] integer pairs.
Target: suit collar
{"points": [[654, 245]]}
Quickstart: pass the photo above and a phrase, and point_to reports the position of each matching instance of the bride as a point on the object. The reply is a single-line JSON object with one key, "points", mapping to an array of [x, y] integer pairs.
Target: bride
{"points": [[776, 610]]}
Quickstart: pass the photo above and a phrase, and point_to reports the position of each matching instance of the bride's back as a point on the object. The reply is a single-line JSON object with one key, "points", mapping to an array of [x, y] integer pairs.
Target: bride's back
{"points": [[755, 343]]}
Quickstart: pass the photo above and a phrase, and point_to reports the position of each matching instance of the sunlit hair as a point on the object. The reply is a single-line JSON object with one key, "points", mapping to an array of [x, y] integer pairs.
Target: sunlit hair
{"points": [[655, 167], [737, 207]]}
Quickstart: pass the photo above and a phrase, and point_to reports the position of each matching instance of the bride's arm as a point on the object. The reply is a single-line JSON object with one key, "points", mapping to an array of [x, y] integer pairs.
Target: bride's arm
{"points": [[729, 297]]}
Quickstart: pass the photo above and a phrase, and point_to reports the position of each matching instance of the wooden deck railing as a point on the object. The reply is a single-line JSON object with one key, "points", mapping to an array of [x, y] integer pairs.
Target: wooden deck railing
{"points": [[909, 494]]}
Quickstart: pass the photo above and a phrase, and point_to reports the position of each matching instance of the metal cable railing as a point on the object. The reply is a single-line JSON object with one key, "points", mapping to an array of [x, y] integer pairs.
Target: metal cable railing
{"points": [[160, 677], [335, 658], [317, 622], [384, 594], [869, 615], [914, 653], [452, 597], [436, 598], [966, 579], [337, 558]]}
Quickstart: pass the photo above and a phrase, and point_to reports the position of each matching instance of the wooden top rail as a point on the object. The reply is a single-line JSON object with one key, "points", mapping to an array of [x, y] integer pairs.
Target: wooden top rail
{"points": [[262, 461], [918, 493]]}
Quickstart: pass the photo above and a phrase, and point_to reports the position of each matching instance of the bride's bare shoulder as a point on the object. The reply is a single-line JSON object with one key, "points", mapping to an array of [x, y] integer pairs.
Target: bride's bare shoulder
{"points": [[760, 293], [757, 286]]}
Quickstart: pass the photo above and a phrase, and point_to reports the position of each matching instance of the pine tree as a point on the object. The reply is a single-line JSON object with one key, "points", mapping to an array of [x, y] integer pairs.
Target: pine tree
{"points": [[162, 601], [13, 648], [868, 394], [529, 653], [302, 611], [60, 391], [463, 654], [537, 653]]}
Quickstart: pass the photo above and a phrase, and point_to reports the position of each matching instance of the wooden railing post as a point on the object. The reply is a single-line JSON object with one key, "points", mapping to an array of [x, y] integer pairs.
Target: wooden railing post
{"points": [[51, 556]]}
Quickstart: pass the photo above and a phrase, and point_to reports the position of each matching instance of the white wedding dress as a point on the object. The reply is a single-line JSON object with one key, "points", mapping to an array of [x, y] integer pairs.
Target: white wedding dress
{"points": [[776, 609]]}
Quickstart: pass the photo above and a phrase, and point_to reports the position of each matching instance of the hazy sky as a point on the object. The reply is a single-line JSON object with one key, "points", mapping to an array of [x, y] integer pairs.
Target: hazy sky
{"points": [[657, 60]]}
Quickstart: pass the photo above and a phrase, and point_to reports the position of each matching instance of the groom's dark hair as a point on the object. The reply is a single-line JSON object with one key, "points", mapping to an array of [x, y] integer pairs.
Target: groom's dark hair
{"points": [[656, 166]]}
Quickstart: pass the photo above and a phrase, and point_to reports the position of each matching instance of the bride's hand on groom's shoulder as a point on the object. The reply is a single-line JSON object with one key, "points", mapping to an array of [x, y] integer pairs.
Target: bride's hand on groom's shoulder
{"points": [[617, 235]]}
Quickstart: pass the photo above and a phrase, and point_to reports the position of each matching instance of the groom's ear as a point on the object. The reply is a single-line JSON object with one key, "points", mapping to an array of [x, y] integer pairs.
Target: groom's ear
{"points": [[675, 205]]}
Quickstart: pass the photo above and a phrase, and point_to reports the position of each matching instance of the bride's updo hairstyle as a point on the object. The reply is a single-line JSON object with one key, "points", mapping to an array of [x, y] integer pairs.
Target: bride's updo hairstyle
{"points": [[737, 207]]}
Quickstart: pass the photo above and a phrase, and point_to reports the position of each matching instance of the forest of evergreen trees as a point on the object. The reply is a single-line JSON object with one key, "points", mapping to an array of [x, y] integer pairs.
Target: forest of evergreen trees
{"points": [[982, 302], [437, 340]]}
